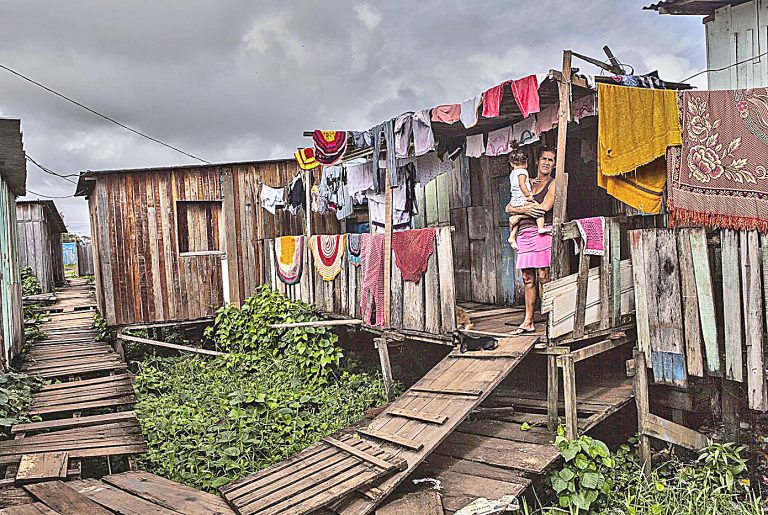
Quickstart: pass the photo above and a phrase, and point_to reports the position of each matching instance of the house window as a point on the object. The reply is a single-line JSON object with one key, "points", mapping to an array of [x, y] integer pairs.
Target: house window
{"points": [[200, 227]]}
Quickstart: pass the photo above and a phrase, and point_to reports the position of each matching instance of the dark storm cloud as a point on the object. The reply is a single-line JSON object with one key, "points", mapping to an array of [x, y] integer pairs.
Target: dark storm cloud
{"points": [[230, 80]]}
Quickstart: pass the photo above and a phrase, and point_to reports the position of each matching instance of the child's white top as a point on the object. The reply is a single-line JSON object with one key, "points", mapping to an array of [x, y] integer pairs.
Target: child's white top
{"points": [[517, 198]]}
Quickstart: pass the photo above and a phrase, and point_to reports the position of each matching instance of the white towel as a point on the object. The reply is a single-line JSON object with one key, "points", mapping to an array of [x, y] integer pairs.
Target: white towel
{"points": [[469, 111], [475, 145], [271, 198]]}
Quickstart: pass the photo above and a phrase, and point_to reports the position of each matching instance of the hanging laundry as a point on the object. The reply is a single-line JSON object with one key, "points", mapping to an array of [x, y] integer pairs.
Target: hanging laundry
{"points": [[296, 195], [635, 127], [524, 132], [412, 250], [591, 231], [499, 142], [272, 198], [386, 129], [492, 100], [430, 166], [650, 80], [449, 113], [361, 139], [469, 111], [324, 191], [334, 181], [584, 107], [328, 254], [642, 189], [423, 137], [407, 177], [319, 205], [718, 178], [353, 249], [359, 177], [526, 93], [376, 210], [372, 291], [548, 118], [475, 145], [403, 134], [450, 148], [305, 157], [289, 251], [329, 146]]}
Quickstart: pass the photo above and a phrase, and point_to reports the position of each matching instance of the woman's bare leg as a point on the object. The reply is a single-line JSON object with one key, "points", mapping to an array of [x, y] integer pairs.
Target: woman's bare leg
{"points": [[529, 280]]}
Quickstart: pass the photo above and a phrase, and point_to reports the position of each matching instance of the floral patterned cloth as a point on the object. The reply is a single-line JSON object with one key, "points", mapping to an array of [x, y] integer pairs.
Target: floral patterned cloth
{"points": [[719, 176]]}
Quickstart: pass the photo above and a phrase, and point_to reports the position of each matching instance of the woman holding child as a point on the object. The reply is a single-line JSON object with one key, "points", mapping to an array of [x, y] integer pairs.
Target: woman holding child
{"points": [[531, 224]]}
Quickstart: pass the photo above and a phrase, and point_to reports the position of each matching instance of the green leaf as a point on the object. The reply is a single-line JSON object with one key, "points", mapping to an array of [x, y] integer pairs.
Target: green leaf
{"points": [[590, 480], [525, 426], [581, 461], [558, 484], [567, 474], [569, 452]]}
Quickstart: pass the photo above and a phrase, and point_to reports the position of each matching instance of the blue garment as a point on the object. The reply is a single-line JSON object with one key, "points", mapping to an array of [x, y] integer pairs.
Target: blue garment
{"points": [[388, 130]]}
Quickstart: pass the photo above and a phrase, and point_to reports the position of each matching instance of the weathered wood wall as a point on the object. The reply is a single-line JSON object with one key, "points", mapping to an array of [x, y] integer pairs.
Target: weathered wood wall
{"points": [[142, 277], [11, 316], [39, 238], [84, 258], [426, 307]]}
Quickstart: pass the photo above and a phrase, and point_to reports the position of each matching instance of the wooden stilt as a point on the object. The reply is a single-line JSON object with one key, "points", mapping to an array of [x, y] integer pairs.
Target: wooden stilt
{"points": [[643, 408], [569, 396], [553, 391], [386, 368], [730, 408], [559, 258]]}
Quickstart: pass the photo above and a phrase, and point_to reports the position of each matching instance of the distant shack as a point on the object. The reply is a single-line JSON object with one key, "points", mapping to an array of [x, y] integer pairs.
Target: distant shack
{"points": [[40, 227], [170, 244]]}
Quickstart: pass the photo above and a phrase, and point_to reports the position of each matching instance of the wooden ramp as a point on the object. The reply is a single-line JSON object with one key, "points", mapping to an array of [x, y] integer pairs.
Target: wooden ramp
{"points": [[410, 428]]}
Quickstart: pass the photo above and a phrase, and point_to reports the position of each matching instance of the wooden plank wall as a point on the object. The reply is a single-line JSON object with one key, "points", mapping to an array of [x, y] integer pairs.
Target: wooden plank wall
{"points": [[35, 244], [84, 258], [11, 315], [424, 307], [141, 276]]}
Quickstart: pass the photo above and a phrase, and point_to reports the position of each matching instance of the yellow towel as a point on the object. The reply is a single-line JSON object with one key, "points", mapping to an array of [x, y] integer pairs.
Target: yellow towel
{"points": [[635, 126], [642, 190]]}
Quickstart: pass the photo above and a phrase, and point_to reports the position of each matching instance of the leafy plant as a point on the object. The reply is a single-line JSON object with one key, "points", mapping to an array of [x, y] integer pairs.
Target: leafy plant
{"points": [[29, 283], [584, 476], [15, 397], [100, 325]]}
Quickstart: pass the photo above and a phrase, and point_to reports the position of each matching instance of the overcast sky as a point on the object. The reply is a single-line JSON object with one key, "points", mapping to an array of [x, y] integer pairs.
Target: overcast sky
{"points": [[241, 80]]}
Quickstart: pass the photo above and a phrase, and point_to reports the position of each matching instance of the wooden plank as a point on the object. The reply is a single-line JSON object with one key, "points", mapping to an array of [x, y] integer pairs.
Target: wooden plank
{"points": [[42, 467], [643, 408], [581, 293], [446, 391], [431, 282], [358, 453], [169, 345], [444, 251], [752, 302], [733, 335], [425, 502], [690, 305], [418, 415], [388, 248], [706, 302], [569, 396], [116, 500], [73, 422], [641, 293], [671, 432], [598, 348], [386, 369], [317, 323], [36, 508], [392, 438], [397, 309], [64, 500], [413, 305], [559, 210]]}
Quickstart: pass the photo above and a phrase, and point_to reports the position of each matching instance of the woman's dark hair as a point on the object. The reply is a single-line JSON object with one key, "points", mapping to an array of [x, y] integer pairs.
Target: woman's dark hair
{"points": [[545, 149], [517, 157]]}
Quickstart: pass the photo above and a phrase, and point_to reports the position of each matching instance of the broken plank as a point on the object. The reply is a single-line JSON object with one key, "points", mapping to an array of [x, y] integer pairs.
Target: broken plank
{"points": [[75, 422], [446, 391], [42, 467], [418, 415], [36, 508], [358, 453], [169, 345], [752, 302], [671, 432], [690, 305], [116, 500], [705, 295], [64, 500], [392, 438]]}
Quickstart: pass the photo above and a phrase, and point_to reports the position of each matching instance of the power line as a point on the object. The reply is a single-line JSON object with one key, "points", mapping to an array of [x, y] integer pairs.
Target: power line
{"points": [[726, 67], [51, 172], [46, 196], [108, 118]]}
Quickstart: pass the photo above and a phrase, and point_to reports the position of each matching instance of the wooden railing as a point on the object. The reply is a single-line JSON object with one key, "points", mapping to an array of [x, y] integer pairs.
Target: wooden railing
{"points": [[424, 308]]}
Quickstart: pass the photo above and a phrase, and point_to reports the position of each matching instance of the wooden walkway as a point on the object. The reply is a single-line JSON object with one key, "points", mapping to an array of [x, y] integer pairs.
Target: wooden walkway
{"points": [[409, 429]]}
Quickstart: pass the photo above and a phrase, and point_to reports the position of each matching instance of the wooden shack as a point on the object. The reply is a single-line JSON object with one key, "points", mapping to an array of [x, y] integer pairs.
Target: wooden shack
{"points": [[174, 244], [84, 257], [39, 227], [13, 178]]}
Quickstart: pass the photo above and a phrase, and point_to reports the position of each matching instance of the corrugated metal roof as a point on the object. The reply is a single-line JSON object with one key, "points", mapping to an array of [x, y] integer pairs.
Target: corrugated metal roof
{"points": [[50, 207], [13, 164], [691, 7]]}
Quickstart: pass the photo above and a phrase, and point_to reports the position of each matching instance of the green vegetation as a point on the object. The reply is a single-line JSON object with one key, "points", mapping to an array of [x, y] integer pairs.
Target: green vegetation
{"points": [[211, 421], [15, 397], [593, 480], [29, 283]]}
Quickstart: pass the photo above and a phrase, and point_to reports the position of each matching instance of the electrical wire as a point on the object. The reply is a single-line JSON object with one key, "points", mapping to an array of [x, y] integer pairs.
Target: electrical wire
{"points": [[108, 118], [46, 196], [725, 67], [51, 172]]}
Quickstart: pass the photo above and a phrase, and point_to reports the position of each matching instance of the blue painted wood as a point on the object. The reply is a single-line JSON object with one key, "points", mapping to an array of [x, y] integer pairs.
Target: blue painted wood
{"points": [[10, 295], [668, 368], [70, 253], [512, 281]]}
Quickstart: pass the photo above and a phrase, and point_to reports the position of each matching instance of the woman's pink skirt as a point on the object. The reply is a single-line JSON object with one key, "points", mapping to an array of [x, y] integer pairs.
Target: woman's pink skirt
{"points": [[534, 249]]}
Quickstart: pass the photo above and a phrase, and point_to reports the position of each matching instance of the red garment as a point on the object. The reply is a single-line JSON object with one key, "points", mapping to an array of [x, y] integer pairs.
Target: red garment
{"points": [[449, 113], [372, 292], [526, 92], [492, 100], [412, 250]]}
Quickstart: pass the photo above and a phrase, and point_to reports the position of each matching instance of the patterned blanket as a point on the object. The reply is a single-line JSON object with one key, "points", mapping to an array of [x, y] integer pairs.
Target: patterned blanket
{"points": [[353, 249], [329, 146], [288, 254], [719, 176], [328, 253]]}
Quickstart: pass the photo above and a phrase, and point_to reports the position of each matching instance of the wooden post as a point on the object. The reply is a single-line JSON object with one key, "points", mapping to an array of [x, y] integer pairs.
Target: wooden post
{"points": [[643, 408], [580, 315], [386, 368], [233, 258], [310, 296], [553, 392], [569, 396], [387, 247], [559, 216]]}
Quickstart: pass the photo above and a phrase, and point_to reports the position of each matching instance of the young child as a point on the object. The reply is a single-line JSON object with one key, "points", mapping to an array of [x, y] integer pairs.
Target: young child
{"points": [[520, 189]]}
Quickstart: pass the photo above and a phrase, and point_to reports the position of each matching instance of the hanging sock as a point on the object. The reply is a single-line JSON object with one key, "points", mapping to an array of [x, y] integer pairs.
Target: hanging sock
{"points": [[328, 253], [372, 291], [412, 250], [288, 258]]}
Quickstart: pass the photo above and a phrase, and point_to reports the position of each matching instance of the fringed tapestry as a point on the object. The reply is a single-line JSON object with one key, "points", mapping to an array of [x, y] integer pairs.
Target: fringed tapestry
{"points": [[288, 254], [353, 249], [328, 253], [412, 250], [719, 176], [329, 146], [305, 157], [372, 291]]}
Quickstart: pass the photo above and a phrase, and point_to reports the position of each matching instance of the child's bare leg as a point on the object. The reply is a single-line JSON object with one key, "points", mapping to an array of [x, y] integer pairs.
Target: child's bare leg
{"points": [[513, 233], [540, 224]]}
